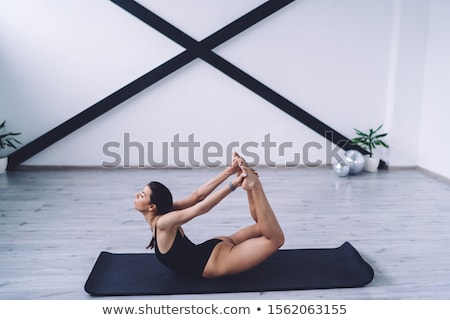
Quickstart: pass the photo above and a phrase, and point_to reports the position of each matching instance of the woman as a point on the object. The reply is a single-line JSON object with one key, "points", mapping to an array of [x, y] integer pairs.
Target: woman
{"points": [[221, 256]]}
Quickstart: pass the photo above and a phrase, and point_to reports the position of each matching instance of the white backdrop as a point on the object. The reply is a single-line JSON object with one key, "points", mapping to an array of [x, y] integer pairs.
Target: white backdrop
{"points": [[352, 64]]}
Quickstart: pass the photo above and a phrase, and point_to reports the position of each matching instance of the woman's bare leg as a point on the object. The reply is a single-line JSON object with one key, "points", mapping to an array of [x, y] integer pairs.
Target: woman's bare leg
{"points": [[265, 217], [253, 230], [228, 258], [249, 232]]}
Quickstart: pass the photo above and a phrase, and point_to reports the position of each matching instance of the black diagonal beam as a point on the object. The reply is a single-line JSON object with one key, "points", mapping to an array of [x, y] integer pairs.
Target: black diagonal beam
{"points": [[194, 49], [150, 78], [98, 109], [204, 51]]}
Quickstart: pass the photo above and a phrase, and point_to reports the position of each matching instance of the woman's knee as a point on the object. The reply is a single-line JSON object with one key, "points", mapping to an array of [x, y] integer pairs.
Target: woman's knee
{"points": [[278, 240], [281, 240]]}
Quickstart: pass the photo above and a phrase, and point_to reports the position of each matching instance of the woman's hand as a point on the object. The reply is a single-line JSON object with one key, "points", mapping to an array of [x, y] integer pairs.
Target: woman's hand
{"points": [[234, 167], [237, 181]]}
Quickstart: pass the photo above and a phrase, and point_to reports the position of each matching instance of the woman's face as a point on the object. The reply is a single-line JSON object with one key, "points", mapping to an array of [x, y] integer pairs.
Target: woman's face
{"points": [[142, 200]]}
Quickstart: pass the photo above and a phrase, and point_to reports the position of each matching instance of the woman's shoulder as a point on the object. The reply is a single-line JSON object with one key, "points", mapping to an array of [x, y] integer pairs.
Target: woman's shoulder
{"points": [[167, 221]]}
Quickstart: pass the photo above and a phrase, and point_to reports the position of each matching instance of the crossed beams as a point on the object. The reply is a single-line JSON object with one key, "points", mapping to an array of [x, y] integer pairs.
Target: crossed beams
{"points": [[194, 50]]}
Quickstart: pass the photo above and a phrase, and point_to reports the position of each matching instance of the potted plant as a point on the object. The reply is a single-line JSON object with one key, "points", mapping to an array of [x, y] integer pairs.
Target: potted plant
{"points": [[7, 140], [370, 141]]}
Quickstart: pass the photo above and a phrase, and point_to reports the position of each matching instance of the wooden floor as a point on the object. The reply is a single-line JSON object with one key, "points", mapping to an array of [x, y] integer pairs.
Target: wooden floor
{"points": [[54, 223]]}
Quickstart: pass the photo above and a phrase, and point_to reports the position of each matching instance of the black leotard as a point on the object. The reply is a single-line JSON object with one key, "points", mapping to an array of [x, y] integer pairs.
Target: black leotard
{"points": [[185, 257]]}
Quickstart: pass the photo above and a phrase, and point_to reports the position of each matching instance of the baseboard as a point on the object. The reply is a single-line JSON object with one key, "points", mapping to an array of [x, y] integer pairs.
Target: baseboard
{"points": [[427, 172], [434, 175]]}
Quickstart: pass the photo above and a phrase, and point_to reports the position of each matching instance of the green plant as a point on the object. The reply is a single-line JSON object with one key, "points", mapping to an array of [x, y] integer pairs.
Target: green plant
{"points": [[7, 139], [370, 141]]}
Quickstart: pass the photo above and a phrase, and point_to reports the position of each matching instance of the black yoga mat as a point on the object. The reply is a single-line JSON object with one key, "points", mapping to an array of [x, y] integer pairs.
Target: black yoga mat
{"points": [[142, 274]]}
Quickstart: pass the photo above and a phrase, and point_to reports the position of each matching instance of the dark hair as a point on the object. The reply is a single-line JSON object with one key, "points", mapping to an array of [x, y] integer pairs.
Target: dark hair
{"points": [[161, 197]]}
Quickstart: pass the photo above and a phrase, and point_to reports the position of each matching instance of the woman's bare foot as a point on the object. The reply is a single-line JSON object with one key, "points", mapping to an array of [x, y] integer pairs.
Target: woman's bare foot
{"points": [[248, 175], [234, 166], [242, 162], [250, 178]]}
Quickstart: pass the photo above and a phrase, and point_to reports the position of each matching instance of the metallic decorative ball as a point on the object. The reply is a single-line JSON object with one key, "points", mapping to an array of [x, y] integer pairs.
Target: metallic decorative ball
{"points": [[355, 160], [342, 169]]}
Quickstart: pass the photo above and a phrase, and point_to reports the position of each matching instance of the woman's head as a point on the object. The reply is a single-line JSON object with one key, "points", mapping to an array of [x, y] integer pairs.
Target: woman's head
{"points": [[161, 197], [155, 196]]}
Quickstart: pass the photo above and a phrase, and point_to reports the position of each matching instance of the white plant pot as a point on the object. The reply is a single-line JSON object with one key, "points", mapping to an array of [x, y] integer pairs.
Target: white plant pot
{"points": [[3, 164], [371, 163]]}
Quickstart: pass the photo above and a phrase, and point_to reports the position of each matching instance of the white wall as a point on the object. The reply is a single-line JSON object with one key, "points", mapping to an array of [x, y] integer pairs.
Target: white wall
{"points": [[434, 149], [59, 57], [406, 82], [418, 100], [346, 64]]}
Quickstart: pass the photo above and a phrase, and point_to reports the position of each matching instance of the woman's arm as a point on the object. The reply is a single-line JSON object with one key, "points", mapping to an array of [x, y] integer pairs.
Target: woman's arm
{"points": [[174, 219], [203, 191]]}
